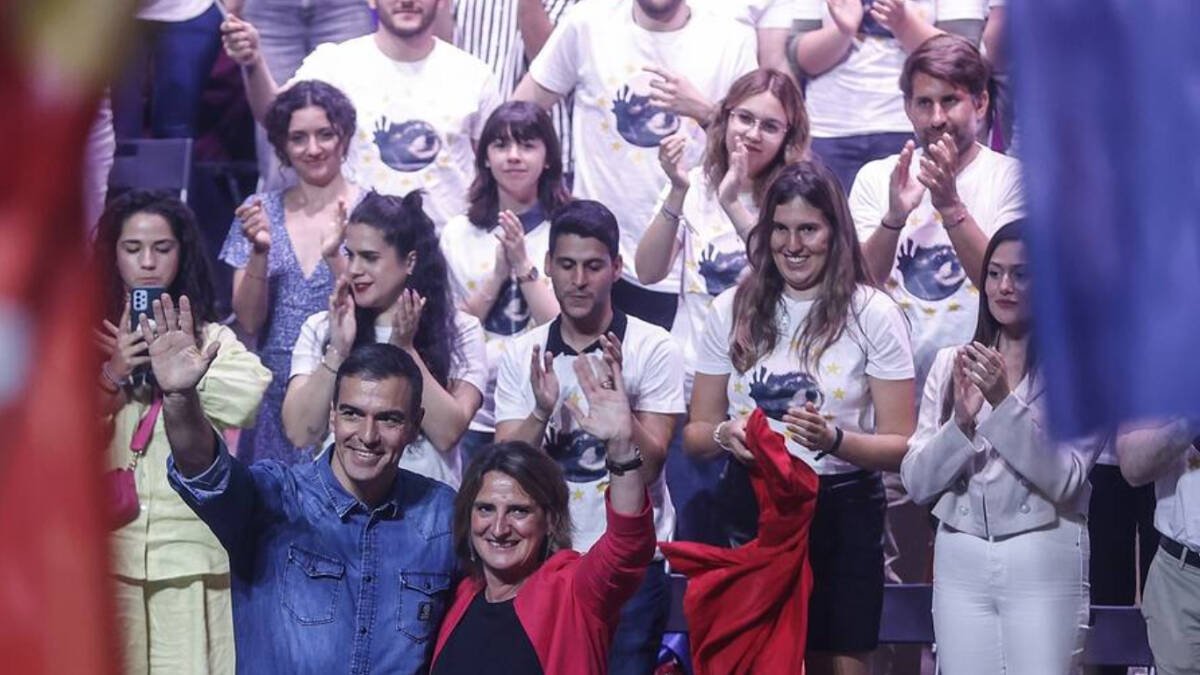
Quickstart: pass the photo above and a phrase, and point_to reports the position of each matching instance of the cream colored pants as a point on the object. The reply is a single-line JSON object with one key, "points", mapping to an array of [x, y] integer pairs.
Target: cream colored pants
{"points": [[177, 626]]}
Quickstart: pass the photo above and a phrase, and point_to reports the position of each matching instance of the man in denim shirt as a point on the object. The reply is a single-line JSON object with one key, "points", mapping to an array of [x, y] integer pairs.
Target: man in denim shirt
{"points": [[340, 565]]}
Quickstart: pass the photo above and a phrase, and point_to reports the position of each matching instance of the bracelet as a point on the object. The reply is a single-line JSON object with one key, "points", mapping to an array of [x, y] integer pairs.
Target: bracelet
{"points": [[837, 443], [337, 354], [107, 375], [893, 228], [539, 418], [717, 436], [671, 215]]}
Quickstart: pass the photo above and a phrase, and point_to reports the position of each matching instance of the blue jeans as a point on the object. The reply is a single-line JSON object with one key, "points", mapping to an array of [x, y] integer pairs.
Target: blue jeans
{"points": [[635, 644], [180, 56], [847, 154]]}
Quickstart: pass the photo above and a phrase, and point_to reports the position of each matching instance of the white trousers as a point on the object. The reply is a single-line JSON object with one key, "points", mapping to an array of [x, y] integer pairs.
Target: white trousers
{"points": [[1017, 605]]}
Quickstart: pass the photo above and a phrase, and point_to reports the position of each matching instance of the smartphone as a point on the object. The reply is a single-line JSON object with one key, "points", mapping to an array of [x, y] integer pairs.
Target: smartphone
{"points": [[141, 301]]}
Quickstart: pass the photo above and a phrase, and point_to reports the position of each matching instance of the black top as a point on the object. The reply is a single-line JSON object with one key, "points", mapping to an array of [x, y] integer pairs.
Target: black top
{"points": [[488, 640]]}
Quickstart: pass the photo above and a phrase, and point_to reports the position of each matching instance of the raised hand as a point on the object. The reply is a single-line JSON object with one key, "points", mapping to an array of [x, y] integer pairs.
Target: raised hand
{"points": [[968, 400], [611, 345], [891, 14], [126, 349], [407, 318], [255, 226], [343, 326], [544, 382], [985, 368], [847, 15], [677, 94], [241, 40], [334, 232], [808, 427], [939, 172], [737, 177], [670, 158], [608, 416], [904, 191], [175, 356], [512, 239]]}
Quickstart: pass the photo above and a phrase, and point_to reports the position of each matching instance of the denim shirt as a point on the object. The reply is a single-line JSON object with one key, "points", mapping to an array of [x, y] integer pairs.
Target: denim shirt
{"points": [[322, 583]]}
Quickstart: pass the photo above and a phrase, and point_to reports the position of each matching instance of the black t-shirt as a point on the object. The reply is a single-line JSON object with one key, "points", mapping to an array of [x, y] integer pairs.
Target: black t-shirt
{"points": [[489, 640]]}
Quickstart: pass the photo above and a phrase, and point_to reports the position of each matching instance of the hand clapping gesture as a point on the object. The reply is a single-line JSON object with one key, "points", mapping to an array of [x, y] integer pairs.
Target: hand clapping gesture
{"points": [[985, 368], [891, 14], [608, 417], [544, 382], [670, 158], [407, 318], [939, 172], [343, 326], [334, 232], [905, 191], [847, 15], [175, 356], [512, 240], [737, 177], [255, 226]]}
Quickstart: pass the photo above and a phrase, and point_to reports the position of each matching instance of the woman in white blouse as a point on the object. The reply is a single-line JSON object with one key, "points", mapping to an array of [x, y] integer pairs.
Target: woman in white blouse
{"points": [[1010, 586]]}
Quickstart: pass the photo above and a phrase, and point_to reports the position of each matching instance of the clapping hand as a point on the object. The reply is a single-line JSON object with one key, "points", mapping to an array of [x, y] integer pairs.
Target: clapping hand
{"points": [[939, 172], [847, 15], [737, 177], [255, 226], [985, 368], [343, 325], [407, 318], [608, 417], [544, 381], [175, 356], [512, 239], [334, 232], [670, 158], [905, 192], [968, 400], [891, 14]]}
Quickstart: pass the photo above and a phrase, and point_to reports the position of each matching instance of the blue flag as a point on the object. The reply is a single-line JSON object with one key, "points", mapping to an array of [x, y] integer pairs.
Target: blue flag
{"points": [[1108, 107]]}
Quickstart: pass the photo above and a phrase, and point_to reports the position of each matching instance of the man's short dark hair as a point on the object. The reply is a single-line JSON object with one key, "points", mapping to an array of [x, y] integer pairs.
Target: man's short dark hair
{"points": [[377, 362], [947, 57], [587, 218]]}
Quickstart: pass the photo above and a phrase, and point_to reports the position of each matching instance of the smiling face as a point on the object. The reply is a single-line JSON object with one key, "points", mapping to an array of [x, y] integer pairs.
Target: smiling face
{"points": [[313, 148], [800, 240], [760, 123], [377, 272], [583, 274], [516, 166], [1007, 285], [372, 422], [147, 251], [405, 18], [508, 529], [938, 106]]}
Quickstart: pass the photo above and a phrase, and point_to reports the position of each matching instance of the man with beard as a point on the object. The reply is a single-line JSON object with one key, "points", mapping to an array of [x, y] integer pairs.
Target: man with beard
{"points": [[924, 216], [536, 376], [421, 102], [641, 70]]}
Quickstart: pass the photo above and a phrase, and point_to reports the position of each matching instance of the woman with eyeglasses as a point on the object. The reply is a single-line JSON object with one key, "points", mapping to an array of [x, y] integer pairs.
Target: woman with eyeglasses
{"points": [[706, 213]]}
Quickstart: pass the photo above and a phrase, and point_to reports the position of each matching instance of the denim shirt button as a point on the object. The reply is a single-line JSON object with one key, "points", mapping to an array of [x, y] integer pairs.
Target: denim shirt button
{"points": [[367, 578], [362, 630]]}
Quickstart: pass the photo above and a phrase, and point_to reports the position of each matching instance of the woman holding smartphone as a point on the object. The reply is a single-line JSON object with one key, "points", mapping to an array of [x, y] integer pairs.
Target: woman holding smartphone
{"points": [[285, 245], [808, 338], [1010, 569], [395, 290], [170, 573]]}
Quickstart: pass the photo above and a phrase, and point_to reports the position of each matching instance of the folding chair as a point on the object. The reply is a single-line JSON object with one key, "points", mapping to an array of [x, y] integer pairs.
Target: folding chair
{"points": [[152, 164]]}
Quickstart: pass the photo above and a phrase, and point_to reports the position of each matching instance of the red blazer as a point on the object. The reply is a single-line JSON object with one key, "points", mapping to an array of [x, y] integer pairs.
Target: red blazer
{"points": [[747, 608], [569, 607]]}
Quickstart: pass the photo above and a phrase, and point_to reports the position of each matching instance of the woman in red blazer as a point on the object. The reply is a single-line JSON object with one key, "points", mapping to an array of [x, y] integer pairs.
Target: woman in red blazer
{"points": [[529, 604]]}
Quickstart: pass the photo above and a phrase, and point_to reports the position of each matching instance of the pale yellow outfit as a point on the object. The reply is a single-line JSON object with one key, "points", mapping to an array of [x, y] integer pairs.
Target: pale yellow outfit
{"points": [[171, 573]]}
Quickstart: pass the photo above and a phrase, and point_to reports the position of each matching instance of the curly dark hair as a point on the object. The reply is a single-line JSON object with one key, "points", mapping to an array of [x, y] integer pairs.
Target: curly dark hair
{"points": [[337, 107], [756, 328], [406, 228], [519, 121], [194, 277]]}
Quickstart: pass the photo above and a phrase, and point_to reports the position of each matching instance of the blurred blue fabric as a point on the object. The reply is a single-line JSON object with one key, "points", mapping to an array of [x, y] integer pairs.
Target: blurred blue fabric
{"points": [[1109, 115]]}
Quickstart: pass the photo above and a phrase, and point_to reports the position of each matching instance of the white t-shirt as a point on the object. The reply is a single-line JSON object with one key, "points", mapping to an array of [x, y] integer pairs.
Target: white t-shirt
{"points": [[467, 363], [928, 280], [470, 256], [861, 94], [753, 13], [653, 375], [414, 131], [172, 11], [599, 51], [875, 345], [713, 257]]}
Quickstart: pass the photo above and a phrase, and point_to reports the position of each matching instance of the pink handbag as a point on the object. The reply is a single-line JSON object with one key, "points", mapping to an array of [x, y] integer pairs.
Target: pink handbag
{"points": [[123, 504]]}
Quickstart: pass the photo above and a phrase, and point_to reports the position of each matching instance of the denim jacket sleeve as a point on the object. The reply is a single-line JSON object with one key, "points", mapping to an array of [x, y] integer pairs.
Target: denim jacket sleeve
{"points": [[1016, 431], [938, 453]]}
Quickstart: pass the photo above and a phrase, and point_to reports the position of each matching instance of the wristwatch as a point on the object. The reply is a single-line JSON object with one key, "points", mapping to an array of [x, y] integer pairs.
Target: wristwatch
{"points": [[620, 468], [531, 275]]}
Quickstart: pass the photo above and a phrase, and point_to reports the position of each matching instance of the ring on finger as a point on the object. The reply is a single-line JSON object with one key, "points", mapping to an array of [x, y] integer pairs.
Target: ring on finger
{"points": [[608, 384]]}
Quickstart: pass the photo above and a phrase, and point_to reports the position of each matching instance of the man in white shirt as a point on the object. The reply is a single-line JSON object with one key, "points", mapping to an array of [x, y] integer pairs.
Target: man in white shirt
{"points": [[421, 102], [536, 378], [641, 70], [1167, 454]]}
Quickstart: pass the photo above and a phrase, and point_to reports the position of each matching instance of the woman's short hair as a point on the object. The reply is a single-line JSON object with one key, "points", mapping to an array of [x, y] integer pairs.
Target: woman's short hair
{"points": [[539, 476], [338, 109], [193, 278], [755, 331], [519, 121], [795, 141]]}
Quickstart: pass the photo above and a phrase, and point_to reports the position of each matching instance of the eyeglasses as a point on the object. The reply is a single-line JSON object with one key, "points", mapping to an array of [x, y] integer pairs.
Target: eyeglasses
{"points": [[768, 127]]}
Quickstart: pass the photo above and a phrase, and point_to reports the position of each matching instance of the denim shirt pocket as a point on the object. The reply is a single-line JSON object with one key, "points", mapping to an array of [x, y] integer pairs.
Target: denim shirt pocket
{"points": [[311, 584], [422, 603]]}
